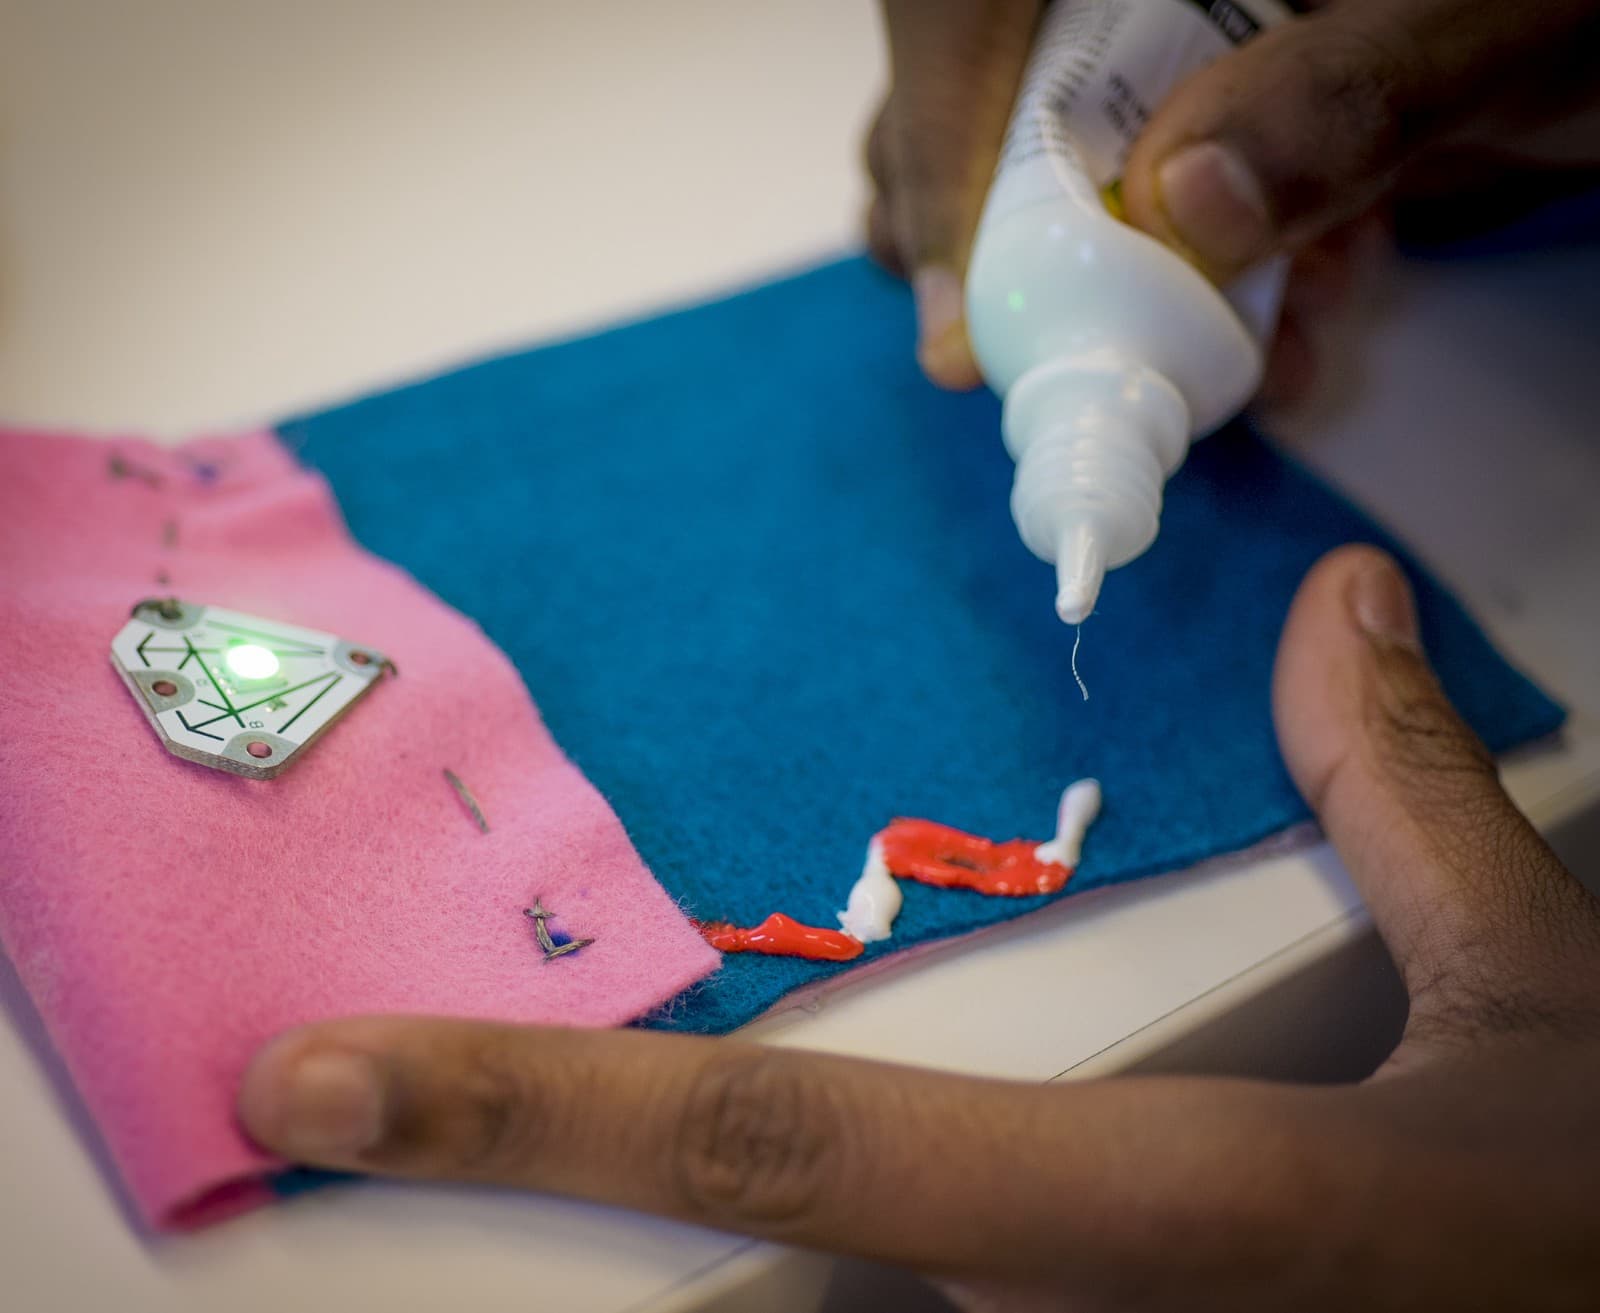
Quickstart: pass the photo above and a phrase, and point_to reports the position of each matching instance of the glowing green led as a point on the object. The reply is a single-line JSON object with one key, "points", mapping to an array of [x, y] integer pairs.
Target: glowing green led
{"points": [[251, 661], [1016, 301]]}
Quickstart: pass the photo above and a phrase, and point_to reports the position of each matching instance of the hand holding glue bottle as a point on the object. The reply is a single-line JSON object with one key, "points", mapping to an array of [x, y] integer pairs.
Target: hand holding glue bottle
{"points": [[1111, 350]]}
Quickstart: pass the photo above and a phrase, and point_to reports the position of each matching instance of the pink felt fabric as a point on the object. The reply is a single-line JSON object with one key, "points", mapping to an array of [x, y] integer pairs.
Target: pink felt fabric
{"points": [[167, 918]]}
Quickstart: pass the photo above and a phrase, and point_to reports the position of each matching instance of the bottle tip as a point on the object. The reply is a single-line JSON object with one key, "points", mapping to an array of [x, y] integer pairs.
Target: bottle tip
{"points": [[1073, 605], [1080, 570]]}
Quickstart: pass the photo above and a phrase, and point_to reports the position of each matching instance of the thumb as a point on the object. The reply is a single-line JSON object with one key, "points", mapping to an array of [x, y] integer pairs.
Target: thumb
{"points": [[1307, 125], [1487, 927]]}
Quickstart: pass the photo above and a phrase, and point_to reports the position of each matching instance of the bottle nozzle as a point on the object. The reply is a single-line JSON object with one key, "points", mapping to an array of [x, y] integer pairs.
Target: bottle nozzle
{"points": [[1080, 570]]}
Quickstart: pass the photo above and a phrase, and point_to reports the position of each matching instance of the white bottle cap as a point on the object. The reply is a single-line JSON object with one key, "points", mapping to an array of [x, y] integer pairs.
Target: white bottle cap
{"points": [[1094, 442], [1080, 568]]}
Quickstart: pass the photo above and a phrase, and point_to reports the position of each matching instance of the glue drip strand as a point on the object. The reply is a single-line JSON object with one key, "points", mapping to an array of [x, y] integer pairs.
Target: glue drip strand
{"points": [[1082, 687], [781, 936]]}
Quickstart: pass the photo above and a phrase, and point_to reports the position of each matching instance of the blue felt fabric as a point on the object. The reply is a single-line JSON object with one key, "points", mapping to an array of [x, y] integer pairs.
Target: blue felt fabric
{"points": [[761, 580]]}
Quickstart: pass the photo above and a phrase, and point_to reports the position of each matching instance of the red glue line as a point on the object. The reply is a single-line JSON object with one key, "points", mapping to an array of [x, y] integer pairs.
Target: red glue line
{"points": [[952, 859], [781, 936]]}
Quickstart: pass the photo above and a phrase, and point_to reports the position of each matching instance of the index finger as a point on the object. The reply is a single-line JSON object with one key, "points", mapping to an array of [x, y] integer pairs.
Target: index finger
{"points": [[939, 1172], [956, 65]]}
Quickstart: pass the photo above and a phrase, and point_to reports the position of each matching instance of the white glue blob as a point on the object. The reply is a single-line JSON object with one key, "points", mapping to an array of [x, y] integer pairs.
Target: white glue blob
{"points": [[874, 900], [1080, 804]]}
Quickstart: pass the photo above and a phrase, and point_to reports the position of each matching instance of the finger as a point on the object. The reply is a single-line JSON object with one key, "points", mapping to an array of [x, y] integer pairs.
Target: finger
{"points": [[956, 65], [1290, 378], [944, 350], [1327, 282], [881, 243], [880, 238], [1483, 921], [1308, 124], [875, 151], [949, 1174], [1330, 274]]}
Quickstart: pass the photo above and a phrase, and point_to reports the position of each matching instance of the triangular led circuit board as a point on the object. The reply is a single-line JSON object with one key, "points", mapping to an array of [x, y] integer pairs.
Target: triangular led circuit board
{"points": [[236, 692]]}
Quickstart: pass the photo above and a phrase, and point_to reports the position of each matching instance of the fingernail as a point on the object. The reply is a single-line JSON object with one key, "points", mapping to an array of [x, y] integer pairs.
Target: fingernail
{"points": [[942, 347], [322, 1107], [1215, 204], [1381, 601]]}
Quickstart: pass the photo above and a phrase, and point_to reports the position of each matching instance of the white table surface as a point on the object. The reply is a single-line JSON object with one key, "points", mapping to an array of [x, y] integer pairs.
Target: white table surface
{"points": [[213, 211]]}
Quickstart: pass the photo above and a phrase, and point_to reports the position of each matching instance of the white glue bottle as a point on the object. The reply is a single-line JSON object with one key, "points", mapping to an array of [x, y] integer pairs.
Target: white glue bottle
{"points": [[1111, 351]]}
